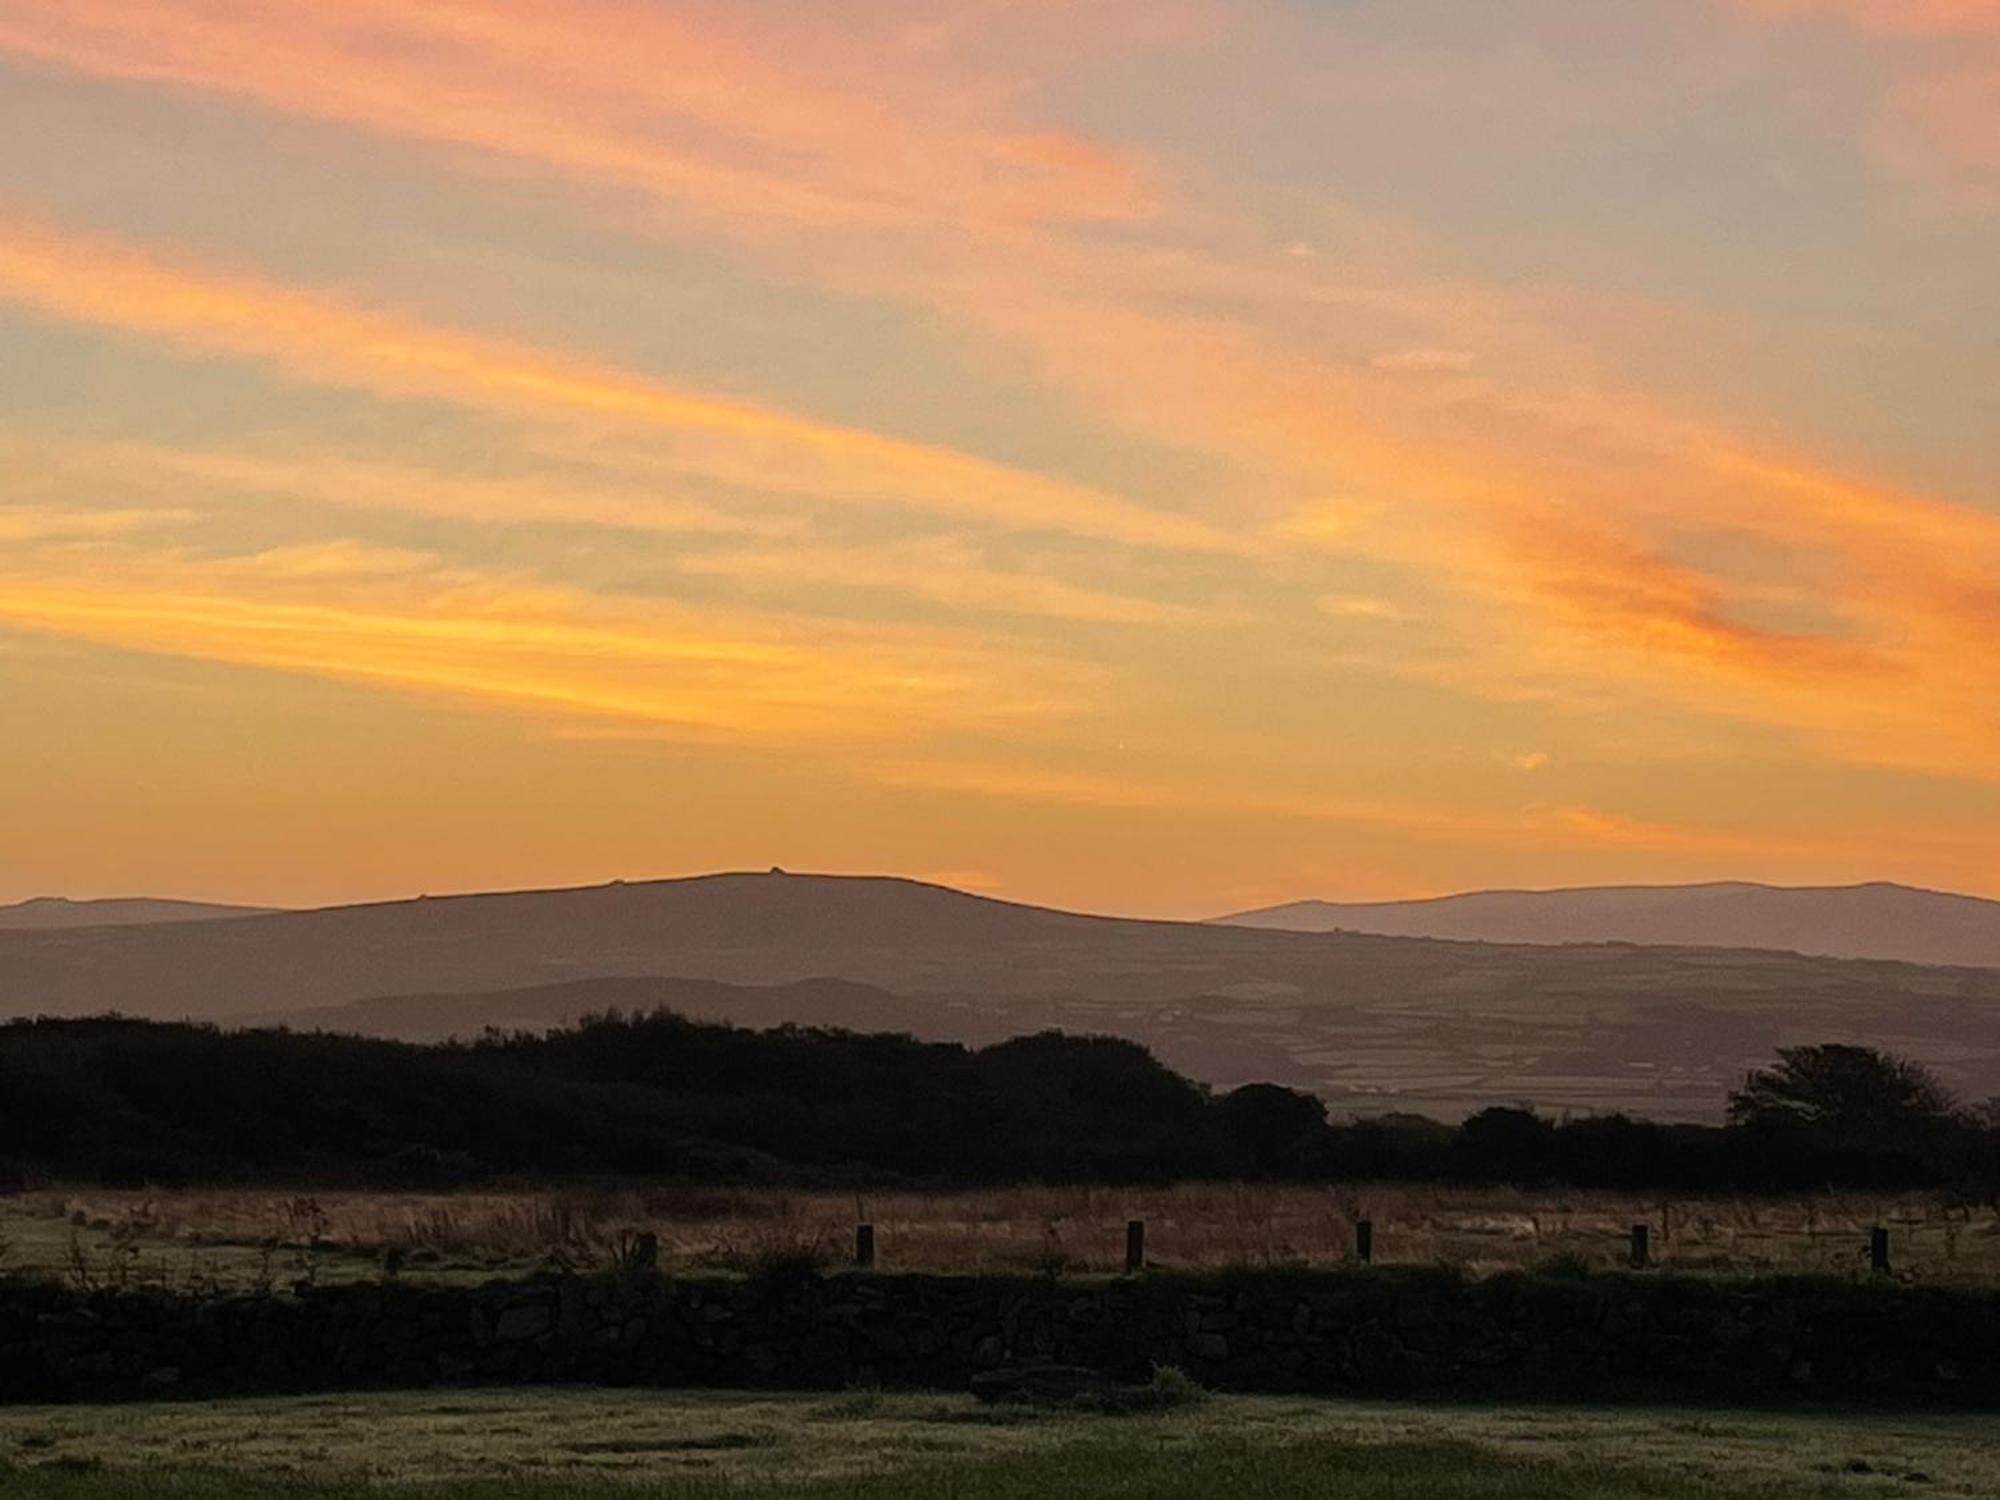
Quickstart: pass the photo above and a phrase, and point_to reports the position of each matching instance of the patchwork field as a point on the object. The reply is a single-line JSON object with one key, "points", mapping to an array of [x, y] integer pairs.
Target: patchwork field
{"points": [[863, 1445], [187, 1239]]}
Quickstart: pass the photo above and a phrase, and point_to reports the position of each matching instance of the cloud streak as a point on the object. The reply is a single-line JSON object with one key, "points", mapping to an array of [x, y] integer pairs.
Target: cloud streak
{"points": [[91, 280], [679, 107], [401, 620]]}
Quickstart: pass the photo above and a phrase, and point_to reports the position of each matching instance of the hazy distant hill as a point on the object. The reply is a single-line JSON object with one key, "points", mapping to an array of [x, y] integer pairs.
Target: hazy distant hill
{"points": [[43, 912], [1846, 921], [1373, 1023]]}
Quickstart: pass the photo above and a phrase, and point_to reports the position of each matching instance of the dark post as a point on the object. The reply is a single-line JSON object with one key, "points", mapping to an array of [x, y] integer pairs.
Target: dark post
{"points": [[1878, 1251], [864, 1245], [1135, 1244], [1364, 1240], [1638, 1247]]}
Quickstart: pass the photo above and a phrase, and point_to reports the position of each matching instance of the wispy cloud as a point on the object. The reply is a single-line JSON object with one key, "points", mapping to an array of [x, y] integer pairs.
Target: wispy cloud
{"points": [[44, 523], [739, 130], [1354, 607], [1581, 523], [403, 621], [319, 336], [1426, 361], [328, 476], [1531, 825], [945, 571]]}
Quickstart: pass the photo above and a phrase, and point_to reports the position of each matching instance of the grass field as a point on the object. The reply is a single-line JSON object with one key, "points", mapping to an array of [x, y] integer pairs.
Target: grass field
{"points": [[865, 1445], [233, 1238]]}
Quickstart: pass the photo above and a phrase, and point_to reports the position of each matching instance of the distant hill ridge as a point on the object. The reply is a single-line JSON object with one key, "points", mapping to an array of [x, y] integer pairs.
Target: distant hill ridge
{"points": [[40, 913], [1878, 920]]}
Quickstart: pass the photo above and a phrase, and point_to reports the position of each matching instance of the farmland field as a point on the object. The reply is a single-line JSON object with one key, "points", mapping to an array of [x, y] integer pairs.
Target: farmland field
{"points": [[862, 1445], [239, 1238]]}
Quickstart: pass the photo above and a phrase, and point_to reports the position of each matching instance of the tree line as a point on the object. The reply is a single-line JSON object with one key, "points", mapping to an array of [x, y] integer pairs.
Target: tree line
{"points": [[123, 1101]]}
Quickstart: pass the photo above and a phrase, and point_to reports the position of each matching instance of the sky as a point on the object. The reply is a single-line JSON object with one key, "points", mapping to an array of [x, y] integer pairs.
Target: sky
{"points": [[1157, 456]]}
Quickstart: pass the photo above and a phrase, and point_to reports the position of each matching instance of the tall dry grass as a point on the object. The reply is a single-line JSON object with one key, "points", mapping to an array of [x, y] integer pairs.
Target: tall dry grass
{"points": [[1029, 1229]]}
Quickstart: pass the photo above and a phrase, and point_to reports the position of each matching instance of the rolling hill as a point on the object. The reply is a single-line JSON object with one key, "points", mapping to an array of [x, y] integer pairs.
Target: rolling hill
{"points": [[1851, 921], [43, 912], [1372, 1023]]}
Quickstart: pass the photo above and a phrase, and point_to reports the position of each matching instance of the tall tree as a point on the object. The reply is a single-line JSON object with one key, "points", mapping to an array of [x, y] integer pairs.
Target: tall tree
{"points": [[1845, 1096]]}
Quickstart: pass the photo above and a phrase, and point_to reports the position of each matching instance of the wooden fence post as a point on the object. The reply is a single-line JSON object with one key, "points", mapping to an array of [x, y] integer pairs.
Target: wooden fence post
{"points": [[1639, 1247], [1364, 1240], [864, 1245], [1135, 1244], [1878, 1251]]}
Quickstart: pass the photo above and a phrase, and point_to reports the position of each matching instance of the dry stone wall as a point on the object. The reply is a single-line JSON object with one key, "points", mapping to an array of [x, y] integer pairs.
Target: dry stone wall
{"points": [[1364, 1332]]}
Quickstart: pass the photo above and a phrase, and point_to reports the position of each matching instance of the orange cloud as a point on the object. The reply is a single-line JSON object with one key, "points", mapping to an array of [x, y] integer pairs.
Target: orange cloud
{"points": [[95, 281], [397, 619], [37, 523], [329, 477], [1614, 591], [1581, 522], [1540, 826], [945, 571]]}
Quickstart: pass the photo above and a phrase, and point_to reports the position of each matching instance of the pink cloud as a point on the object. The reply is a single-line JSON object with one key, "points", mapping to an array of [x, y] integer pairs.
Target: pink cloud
{"points": [[1938, 101], [700, 108]]}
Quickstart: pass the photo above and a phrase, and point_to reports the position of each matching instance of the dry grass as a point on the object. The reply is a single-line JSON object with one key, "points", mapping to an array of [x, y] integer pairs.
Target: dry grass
{"points": [[235, 1237]]}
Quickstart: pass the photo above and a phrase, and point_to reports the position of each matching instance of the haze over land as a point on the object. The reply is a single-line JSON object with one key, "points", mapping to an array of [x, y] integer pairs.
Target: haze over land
{"points": [[1372, 1023], [1878, 920]]}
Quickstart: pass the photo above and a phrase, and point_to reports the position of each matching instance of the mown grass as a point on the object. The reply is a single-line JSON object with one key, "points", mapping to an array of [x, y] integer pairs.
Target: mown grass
{"points": [[1322, 1470], [865, 1445]]}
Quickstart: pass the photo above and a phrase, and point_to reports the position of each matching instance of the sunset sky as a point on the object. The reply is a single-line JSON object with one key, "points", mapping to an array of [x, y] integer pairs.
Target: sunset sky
{"points": [[1153, 457]]}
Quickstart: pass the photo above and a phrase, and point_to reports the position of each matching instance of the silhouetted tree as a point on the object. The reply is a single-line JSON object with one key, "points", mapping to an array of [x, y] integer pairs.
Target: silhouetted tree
{"points": [[1507, 1145], [1275, 1131], [1846, 1097]]}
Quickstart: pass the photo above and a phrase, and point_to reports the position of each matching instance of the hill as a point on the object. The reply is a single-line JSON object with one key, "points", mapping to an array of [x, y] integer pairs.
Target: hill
{"points": [[1372, 1023], [40, 913], [1877, 920]]}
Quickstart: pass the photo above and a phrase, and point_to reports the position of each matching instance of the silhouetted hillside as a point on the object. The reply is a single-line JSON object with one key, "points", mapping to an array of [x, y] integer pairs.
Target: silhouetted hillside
{"points": [[41, 913], [1373, 1024], [1852, 921]]}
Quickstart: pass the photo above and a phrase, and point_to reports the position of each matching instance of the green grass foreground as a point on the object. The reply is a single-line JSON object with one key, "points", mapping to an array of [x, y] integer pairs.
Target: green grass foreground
{"points": [[559, 1444]]}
